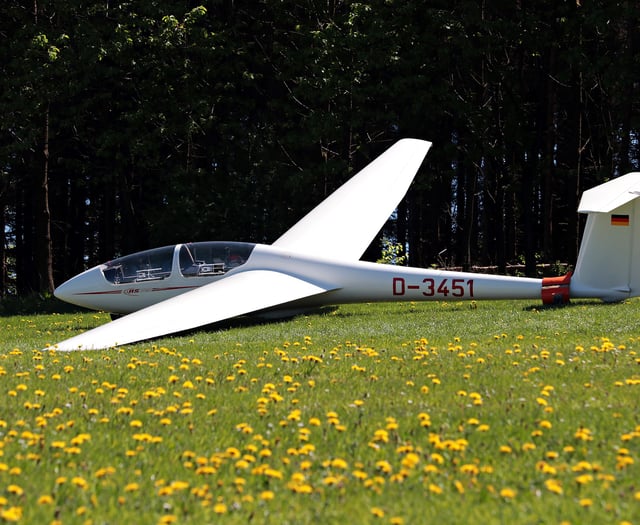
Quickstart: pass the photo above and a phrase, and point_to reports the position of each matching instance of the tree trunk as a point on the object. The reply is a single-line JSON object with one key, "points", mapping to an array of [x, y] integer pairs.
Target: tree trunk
{"points": [[44, 250]]}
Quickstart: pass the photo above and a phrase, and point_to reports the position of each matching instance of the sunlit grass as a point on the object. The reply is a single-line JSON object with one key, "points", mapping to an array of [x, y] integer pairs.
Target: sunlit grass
{"points": [[496, 412]]}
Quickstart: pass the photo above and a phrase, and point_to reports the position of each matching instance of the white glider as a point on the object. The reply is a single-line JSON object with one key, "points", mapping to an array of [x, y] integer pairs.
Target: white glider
{"points": [[185, 286]]}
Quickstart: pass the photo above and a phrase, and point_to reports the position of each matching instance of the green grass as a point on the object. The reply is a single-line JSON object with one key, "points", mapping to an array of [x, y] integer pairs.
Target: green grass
{"points": [[496, 412]]}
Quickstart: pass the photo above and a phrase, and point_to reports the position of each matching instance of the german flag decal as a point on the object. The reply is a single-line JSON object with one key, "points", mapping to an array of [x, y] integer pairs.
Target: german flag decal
{"points": [[619, 220]]}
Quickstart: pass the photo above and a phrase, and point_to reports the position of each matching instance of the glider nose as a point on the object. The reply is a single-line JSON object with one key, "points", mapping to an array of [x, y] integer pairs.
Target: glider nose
{"points": [[81, 289]]}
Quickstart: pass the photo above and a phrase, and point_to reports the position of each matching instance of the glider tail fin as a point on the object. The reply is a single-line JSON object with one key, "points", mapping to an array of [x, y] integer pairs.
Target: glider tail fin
{"points": [[608, 265]]}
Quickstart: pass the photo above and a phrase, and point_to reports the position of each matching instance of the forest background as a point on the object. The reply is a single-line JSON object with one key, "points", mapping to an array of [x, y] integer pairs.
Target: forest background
{"points": [[127, 125]]}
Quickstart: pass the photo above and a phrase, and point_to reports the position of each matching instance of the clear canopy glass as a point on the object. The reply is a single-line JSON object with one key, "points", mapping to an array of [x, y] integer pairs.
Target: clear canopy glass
{"points": [[198, 259]]}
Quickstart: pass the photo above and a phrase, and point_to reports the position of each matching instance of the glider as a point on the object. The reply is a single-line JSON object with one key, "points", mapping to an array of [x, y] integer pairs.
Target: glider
{"points": [[185, 286]]}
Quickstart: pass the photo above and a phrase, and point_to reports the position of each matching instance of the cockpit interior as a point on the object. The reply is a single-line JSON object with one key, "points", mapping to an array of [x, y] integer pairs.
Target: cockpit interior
{"points": [[197, 259]]}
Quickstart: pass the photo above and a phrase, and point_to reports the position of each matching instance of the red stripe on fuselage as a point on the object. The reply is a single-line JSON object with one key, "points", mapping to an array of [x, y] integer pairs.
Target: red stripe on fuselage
{"points": [[112, 292], [116, 292], [169, 288]]}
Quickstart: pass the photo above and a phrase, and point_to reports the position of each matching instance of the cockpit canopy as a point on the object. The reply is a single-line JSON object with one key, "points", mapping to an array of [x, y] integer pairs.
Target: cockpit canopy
{"points": [[197, 259]]}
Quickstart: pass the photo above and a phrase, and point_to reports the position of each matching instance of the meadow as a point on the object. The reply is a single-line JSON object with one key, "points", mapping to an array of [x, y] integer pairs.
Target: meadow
{"points": [[448, 413]]}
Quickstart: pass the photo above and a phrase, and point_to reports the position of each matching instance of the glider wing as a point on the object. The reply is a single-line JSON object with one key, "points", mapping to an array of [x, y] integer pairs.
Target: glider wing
{"points": [[345, 223], [232, 296]]}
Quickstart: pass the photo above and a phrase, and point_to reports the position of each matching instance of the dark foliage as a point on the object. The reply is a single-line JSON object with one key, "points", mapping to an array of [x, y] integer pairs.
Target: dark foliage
{"points": [[127, 125]]}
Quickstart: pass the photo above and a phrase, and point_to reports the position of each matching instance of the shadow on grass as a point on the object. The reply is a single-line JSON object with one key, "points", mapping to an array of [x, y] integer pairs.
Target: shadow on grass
{"points": [[227, 324], [256, 320], [573, 304]]}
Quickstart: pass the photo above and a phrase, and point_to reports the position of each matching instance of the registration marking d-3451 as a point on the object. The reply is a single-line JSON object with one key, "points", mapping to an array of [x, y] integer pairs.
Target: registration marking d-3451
{"points": [[430, 287]]}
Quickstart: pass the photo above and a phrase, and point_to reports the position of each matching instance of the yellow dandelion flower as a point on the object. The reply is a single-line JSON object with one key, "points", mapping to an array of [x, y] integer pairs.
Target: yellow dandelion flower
{"points": [[267, 495], [508, 493], [384, 466], [16, 490], [179, 485], [360, 474], [553, 485], [220, 508], [12, 514], [435, 489], [584, 479], [339, 463], [79, 482], [165, 491], [45, 499], [331, 480], [411, 460], [377, 512], [102, 472]]}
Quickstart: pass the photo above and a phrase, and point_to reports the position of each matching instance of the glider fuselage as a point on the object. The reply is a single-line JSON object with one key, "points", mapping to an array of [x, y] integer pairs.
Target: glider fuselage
{"points": [[139, 280]]}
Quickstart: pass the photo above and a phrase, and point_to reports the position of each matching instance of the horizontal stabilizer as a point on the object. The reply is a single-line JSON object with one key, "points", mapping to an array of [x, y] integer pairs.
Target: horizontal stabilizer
{"points": [[232, 296], [611, 195]]}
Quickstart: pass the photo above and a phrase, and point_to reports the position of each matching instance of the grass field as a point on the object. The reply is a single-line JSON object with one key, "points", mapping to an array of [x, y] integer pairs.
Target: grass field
{"points": [[448, 413]]}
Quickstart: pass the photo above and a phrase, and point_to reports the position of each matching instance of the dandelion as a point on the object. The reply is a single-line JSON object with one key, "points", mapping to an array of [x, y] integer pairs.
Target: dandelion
{"points": [[267, 495], [470, 469], [12, 514], [79, 482], [360, 475], [332, 480], [339, 463], [411, 460], [435, 489], [554, 486], [103, 472], [179, 485], [16, 490], [583, 434], [384, 466], [508, 493]]}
